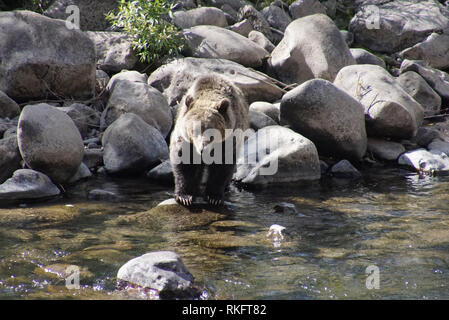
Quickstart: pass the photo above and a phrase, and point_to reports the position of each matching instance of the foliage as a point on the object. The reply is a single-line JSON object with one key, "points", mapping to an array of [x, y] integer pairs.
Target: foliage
{"points": [[33, 5], [153, 36]]}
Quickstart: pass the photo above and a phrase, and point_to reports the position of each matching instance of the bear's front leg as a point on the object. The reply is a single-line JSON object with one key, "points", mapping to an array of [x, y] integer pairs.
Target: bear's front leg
{"points": [[219, 177], [187, 182]]}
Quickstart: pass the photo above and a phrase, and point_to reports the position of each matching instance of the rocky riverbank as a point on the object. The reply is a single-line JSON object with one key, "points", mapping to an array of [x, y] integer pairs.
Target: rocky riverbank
{"points": [[76, 103]]}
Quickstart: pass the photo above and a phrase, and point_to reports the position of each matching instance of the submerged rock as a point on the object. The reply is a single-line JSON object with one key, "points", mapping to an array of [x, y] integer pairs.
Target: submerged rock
{"points": [[344, 169], [162, 173]]}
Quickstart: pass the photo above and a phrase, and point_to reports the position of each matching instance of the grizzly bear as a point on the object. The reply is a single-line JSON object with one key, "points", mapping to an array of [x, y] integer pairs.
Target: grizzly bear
{"points": [[208, 117]]}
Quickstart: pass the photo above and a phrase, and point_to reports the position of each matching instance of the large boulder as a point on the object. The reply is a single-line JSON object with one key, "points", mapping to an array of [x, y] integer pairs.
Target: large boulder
{"points": [[391, 26], [336, 126], [219, 43], [303, 8], [200, 16], [389, 110], [141, 99], [50, 142], [260, 39], [132, 146], [437, 79], [92, 13], [162, 271], [420, 90], [433, 50], [276, 17], [311, 48], [269, 109], [114, 51], [26, 184], [34, 64], [9, 157], [276, 155], [8, 107], [175, 78]]}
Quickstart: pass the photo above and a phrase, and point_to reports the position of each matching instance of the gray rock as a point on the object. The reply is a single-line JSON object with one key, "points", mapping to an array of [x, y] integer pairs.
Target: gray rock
{"points": [[348, 36], [8, 107], [163, 271], [389, 110], [232, 16], [425, 161], [391, 26], [344, 169], [303, 8], [260, 39], [184, 5], [311, 48], [219, 43], [84, 117], [50, 142], [200, 16], [93, 158], [5, 125], [419, 90], [362, 56], [92, 13], [35, 65], [385, 150], [324, 167], [285, 207], [139, 98], [26, 184], [129, 75], [162, 173], [9, 157], [433, 50], [438, 80], [283, 156], [267, 108], [426, 135], [257, 20], [259, 120], [439, 146], [243, 28], [114, 51], [234, 4], [132, 146], [336, 126], [83, 172], [175, 78], [276, 17], [101, 81], [101, 195]]}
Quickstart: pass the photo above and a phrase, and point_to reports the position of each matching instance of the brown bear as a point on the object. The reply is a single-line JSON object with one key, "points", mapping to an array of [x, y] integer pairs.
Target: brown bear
{"points": [[206, 125]]}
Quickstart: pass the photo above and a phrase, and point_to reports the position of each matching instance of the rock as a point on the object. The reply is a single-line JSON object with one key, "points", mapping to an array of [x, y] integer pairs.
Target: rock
{"points": [[231, 15], [133, 76], [83, 172], [49, 142], [243, 28], [433, 50], [175, 78], [311, 48], [392, 26], [283, 156], [257, 20], [114, 51], [27, 184], [285, 207], [93, 158], [200, 16], [344, 169], [426, 135], [425, 161], [219, 43], [162, 173], [302, 8], [258, 120], [324, 167], [92, 13], [389, 110], [336, 126], [163, 271], [438, 80], [8, 107], [9, 157], [276, 17], [99, 195], [234, 4], [419, 90], [141, 99], [260, 39], [267, 108], [348, 36], [5, 125], [132, 146], [184, 4], [439, 146], [385, 150], [101, 82], [85, 118], [362, 56], [37, 66]]}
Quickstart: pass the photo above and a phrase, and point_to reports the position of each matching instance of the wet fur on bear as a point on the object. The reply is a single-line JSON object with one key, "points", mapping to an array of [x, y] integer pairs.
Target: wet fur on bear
{"points": [[215, 103]]}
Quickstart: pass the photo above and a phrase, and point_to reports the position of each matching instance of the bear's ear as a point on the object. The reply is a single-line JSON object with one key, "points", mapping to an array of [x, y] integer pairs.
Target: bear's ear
{"points": [[189, 101], [223, 106]]}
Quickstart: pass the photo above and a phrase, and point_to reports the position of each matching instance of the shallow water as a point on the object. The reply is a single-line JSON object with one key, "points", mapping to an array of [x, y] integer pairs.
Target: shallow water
{"points": [[391, 219]]}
